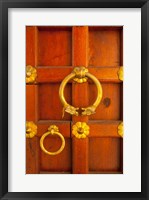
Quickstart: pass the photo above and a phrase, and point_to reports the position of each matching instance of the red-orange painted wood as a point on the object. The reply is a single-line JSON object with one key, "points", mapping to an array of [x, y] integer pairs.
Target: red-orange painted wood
{"points": [[104, 128], [31, 103], [105, 154], [104, 47], [32, 145], [52, 75], [30, 45], [50, 107], [60, 162], [55, 51], [64, 127], [80, 98], [80, 156], [54, 47], [32, 156], [109, 107]]}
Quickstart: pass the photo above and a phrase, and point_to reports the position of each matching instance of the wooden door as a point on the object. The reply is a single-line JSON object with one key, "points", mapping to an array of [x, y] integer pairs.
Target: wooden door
{"points": [[54, 52]]}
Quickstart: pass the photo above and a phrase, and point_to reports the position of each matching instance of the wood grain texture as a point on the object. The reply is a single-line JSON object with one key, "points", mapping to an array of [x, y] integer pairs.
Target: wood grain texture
{"points": [[32, 156], [107, 128], [30, 45], [80, 156], [50, 74], [32, 145], [57, 163], [54, 47], [55, 51], [31, 103], [104, 154], [50, 107], [80, 46], [80, 58], [104, 48], [109, 107], [80, 99]]}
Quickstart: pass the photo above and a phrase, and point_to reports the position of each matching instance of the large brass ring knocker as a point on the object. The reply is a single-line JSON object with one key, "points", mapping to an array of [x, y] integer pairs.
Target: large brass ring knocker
{"points": [[80, 75], [52, 130]]}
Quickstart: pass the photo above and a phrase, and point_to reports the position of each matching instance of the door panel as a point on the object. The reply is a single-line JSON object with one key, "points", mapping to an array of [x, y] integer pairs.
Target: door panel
{"points": [[49, 101], [54, 46], [55, 52], [106, 157], [109, 107], [104, 47], [57, 163]]}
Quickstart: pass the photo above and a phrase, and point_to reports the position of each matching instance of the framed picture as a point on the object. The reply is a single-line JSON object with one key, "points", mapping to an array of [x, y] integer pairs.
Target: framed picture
{"points": [[74, 77]]}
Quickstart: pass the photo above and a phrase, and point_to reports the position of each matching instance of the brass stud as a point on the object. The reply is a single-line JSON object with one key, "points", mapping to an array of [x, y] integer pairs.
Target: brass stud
{"points": [[31, 74], [80, 130], [121, 129], [120, 74]]}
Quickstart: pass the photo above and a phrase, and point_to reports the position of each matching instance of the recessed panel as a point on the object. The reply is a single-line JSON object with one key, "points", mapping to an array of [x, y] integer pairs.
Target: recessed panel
{"points": [[57, 163], [109, 107], [49, 105], [105, 154], [105, 48], [54, 47]]}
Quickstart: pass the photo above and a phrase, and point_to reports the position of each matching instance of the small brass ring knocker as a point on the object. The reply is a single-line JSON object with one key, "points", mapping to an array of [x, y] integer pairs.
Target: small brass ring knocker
{"points": [[52, 130], [80, 75]]}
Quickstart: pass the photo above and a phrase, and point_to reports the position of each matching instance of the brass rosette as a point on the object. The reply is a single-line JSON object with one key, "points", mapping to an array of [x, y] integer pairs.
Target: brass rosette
{"points": [[31, 74], [80, 130], [31, 129], [120, 74], [121, 129]]}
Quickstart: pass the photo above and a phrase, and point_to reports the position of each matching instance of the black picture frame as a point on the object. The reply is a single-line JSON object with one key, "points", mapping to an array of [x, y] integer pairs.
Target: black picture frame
{"points": [[4, 6]]}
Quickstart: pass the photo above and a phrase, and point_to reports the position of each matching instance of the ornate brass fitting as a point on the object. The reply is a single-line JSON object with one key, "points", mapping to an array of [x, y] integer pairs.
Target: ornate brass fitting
{"points": [[121, 129], [31, 129], [120, 73], [52, 130], [80, 74], [31, 74], [80, 130]]}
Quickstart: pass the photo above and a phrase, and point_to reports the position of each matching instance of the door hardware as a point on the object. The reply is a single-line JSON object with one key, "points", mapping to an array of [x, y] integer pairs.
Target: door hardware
{"points": [[120, 74], [80, 75], [121, 129], [52, 130], [31, 129], [80, 130], [31, 74]]}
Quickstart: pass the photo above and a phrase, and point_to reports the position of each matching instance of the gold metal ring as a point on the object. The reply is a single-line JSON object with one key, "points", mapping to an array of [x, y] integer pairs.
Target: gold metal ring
{"points": [[52, 130], [80, 75]]}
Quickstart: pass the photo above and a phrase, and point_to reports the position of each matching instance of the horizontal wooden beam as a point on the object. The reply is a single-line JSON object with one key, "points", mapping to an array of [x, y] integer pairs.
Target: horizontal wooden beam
{"points": [[104, 129], [64, 127], [57, 74]]}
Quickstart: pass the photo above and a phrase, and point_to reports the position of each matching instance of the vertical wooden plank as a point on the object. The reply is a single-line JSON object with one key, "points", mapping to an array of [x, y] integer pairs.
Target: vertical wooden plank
{"points": [[32, 155], [80, 99], [32, 144], [80, 58], [80, 155], [30, 45], [80, 46], [31, 103], [121, 101]]}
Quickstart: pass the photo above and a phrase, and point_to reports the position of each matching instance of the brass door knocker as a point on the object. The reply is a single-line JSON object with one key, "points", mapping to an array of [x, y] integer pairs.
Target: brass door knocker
{"points": [[80, 75], [52, 130]]}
